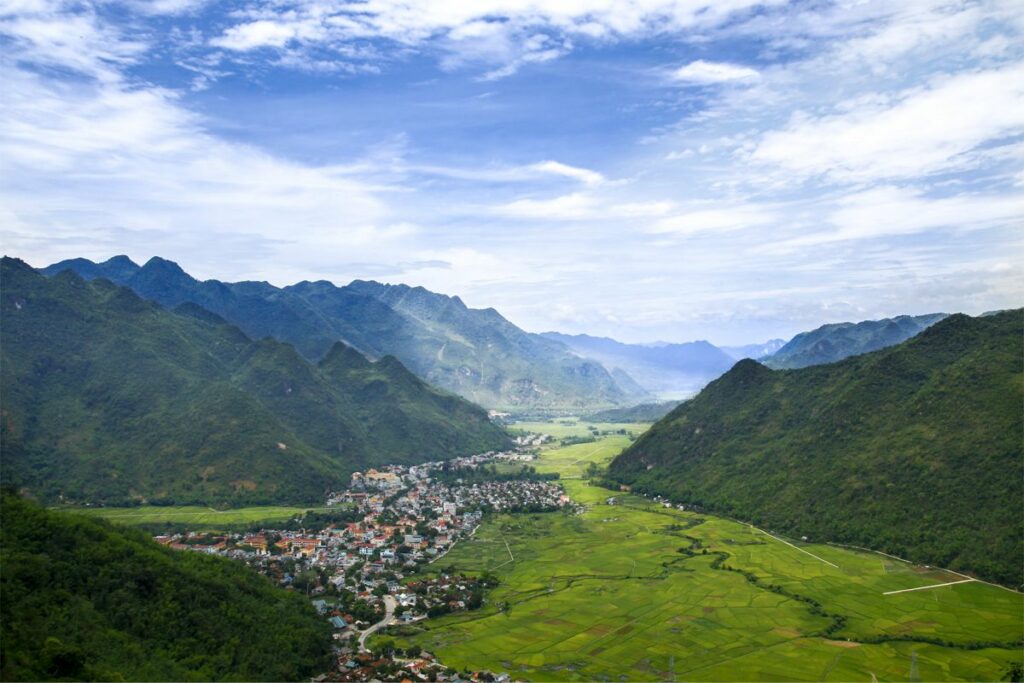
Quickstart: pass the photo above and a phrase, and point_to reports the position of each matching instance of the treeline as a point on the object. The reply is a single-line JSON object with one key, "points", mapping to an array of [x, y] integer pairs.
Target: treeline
{"points": [[81, 599]]}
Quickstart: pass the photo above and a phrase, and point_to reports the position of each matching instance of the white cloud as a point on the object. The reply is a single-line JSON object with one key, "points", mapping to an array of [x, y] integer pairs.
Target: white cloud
{"points": [[265, 33], [706, 73], [889, 211], [923, 130], [583, 175], [506, 33], [716, 220]]}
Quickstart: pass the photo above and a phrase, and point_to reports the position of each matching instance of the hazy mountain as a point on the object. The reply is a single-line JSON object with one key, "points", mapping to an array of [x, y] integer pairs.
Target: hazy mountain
{"points": [[83, 600], [755, 351], [830, 343], [475, 353], [659, 368], [915, 449], [109, 397]]}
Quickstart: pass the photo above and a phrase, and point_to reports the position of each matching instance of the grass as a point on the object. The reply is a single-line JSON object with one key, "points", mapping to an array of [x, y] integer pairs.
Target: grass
{"points": [[197, 518], [607, 595]]}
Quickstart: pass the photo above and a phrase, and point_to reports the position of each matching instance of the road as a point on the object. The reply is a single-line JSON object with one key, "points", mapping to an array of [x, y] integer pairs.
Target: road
{"points": [[389, 618]]}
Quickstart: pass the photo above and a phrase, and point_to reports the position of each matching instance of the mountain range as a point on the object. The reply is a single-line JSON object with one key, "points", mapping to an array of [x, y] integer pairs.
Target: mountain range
{"points": [[108, 397], [755, 351], [831, 343], [659, 368], [475, 353], [917, 449]]}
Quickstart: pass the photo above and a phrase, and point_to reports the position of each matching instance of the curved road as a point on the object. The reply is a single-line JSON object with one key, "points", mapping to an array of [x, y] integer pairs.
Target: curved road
{"points": [[389, 617]]}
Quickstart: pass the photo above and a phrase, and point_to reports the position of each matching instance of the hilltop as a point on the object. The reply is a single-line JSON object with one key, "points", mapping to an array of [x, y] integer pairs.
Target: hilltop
{"points": [[915, 450], [84, 600]]}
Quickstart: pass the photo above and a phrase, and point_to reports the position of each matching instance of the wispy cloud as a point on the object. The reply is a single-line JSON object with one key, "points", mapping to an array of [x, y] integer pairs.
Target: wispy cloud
{"points": [[902, 135], [706, 73]]}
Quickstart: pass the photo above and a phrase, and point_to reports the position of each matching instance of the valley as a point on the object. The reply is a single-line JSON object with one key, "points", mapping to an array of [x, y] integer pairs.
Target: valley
{"points": [[638, 591]]}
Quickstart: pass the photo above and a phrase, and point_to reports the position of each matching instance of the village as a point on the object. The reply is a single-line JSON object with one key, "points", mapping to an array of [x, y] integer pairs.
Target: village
{"points": [[363, 561]]}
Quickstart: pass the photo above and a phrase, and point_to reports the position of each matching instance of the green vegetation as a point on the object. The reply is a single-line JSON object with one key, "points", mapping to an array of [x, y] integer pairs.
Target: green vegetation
{"points": [[645, 412], [915, 450], [109, 398], [477, 354], [194, 517], [634, 591], [83, 600], [831, 343]]}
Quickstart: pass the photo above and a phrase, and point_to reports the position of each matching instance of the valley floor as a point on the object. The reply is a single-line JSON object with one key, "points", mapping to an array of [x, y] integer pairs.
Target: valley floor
{"points": [[637, 591]]}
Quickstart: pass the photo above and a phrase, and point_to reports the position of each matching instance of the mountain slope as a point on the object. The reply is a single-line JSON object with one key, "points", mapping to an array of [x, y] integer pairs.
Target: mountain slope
{"points": [[675, 368], [83, 600], [109, 397], [481, 355], [477, 354], [915, 449], [830, 343]]}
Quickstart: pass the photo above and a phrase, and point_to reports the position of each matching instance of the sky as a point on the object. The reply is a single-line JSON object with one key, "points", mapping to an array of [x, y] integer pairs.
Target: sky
{"points": [[730, 170]]}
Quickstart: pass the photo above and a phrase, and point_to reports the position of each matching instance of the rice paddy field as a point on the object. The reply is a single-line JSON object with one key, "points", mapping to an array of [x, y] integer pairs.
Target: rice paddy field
{"points": [[198, 518], [635, 591]]}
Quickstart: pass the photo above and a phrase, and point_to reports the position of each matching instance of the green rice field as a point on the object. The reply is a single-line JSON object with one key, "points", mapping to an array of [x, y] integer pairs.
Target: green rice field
{"points": [[634, 591]]}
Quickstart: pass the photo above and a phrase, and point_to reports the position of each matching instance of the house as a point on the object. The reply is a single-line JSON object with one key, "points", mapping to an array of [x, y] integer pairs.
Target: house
{"points": [[321, 606], [337, 622]]}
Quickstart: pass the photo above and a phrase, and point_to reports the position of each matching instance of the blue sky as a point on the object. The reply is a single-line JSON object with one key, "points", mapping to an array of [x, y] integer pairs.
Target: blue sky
{"points": [[647, 169]]}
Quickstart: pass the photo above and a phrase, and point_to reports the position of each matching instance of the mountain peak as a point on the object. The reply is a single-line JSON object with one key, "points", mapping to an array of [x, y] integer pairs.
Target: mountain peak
{"points": [[343, 355], [159, 263]]}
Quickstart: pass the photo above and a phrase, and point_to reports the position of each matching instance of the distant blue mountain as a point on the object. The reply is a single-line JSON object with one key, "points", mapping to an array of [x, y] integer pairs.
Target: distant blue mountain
{"points": [[831, 343], [660, 368]]}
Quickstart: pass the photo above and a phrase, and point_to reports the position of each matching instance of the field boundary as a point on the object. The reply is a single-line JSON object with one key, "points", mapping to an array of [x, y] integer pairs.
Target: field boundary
{"points": [[820, 559], [924, 588]]}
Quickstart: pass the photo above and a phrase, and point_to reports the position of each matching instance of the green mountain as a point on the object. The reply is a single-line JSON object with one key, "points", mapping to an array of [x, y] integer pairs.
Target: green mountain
{"points": [[915, 450], [477, 354], [83, 600], [109, 397], [644, 412], [830, 343], [659, 368]]}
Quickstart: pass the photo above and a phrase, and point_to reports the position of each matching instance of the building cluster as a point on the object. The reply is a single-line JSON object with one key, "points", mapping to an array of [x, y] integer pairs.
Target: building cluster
{"points": [[405, 666], [364, 565]]}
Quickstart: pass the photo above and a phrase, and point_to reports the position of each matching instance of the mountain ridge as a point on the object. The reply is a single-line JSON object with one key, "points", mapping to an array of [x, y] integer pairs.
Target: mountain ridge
{"points": [[476, 353], [836, 341]]}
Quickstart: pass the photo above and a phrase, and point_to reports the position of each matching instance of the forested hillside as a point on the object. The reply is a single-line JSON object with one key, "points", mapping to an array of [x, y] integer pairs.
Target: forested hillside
{"points": [[914, 450], [109, 397], [475, 353], [83, 600]]}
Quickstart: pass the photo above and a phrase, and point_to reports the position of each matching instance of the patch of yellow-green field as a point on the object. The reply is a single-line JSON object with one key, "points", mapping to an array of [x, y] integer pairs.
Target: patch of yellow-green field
{"points": [[607, 595], [197, 518], [571, 461]]}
